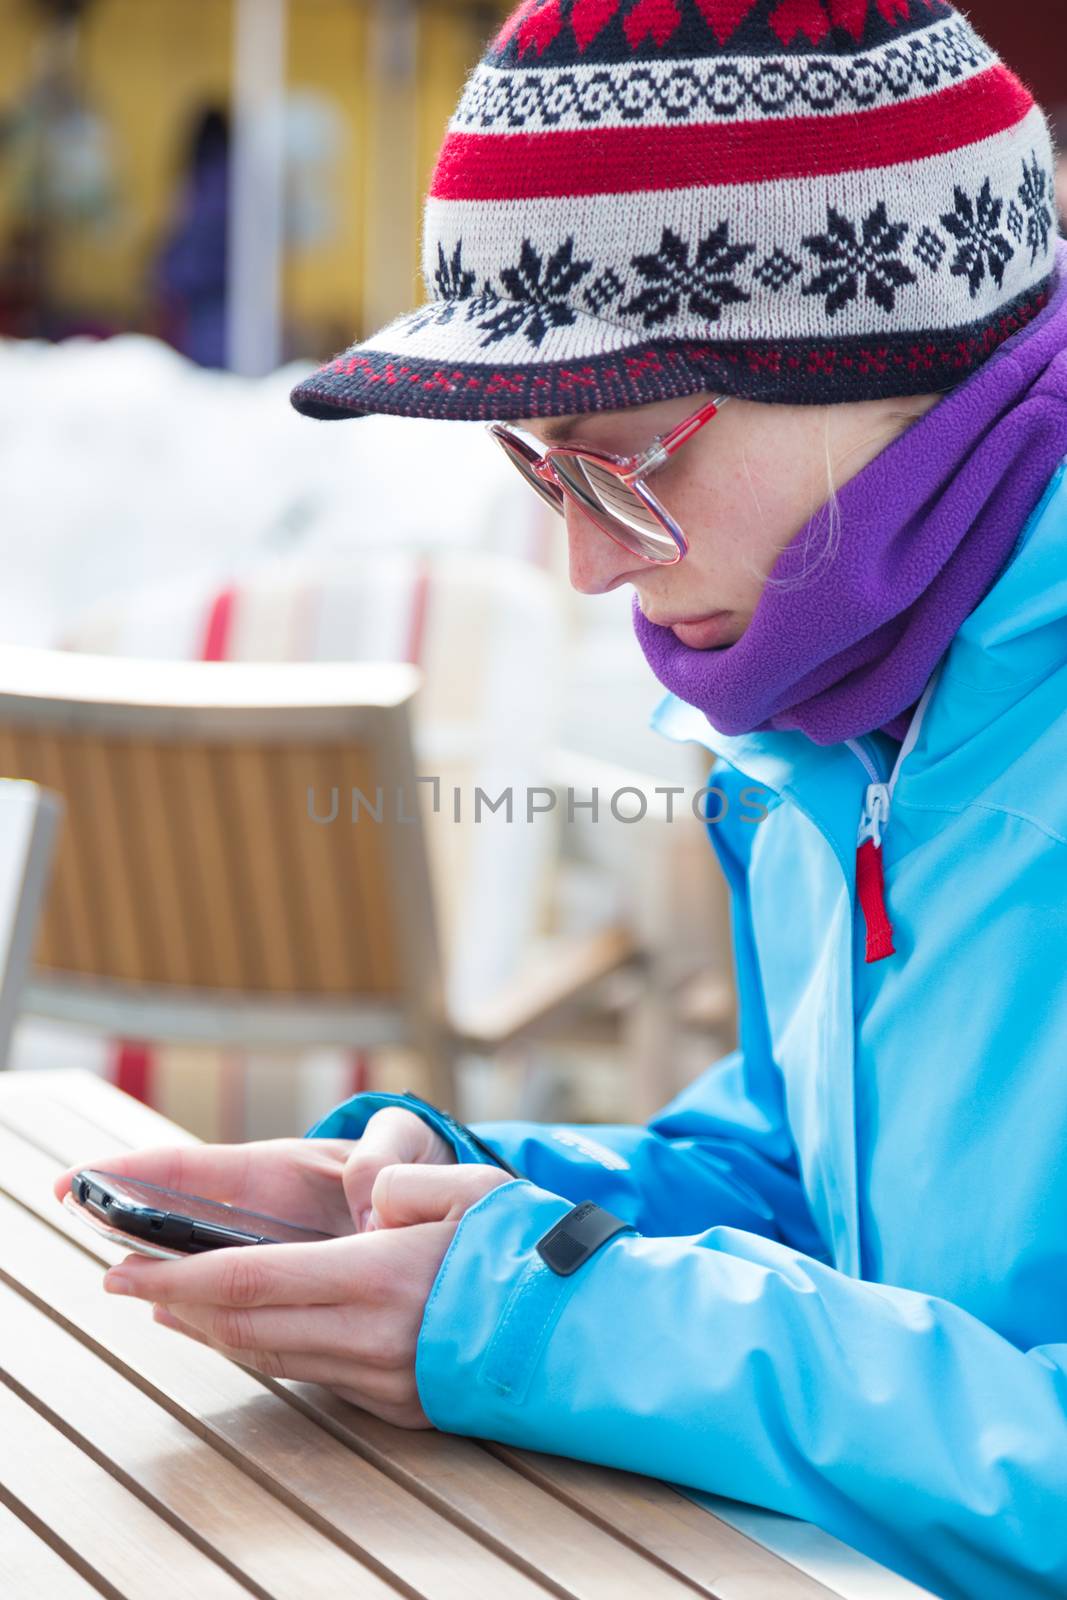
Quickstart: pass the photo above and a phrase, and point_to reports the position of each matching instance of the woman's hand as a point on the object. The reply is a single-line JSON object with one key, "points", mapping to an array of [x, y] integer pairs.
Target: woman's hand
{"points": [[323, 1184], [346, 1312]]}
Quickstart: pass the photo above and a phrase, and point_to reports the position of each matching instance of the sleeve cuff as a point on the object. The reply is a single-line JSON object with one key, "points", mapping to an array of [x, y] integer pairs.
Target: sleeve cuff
{"points": [[350, 1118], [491, 1311]]}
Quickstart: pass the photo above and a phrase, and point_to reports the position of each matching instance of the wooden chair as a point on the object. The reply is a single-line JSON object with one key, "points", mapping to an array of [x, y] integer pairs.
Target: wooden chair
{"points": [[200, 894], [28, 819]]}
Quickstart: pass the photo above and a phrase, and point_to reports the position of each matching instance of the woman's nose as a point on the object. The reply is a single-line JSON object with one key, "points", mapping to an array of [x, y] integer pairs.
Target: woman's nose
{"points": [[597, 563]]}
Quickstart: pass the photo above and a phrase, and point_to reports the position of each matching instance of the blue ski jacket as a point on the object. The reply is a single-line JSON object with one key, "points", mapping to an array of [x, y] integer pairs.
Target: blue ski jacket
{"points": [[841, 1287]]}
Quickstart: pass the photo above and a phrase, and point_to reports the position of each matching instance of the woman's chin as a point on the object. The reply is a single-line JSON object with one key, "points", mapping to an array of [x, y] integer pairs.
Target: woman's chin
{"points": [[708, 634]]}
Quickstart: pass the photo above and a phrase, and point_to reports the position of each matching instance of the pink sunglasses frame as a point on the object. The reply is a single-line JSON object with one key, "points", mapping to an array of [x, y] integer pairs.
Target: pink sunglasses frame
{"points": [[631, 469]]}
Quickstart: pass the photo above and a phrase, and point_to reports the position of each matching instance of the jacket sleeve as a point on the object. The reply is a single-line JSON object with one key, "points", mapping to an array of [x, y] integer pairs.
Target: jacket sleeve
{"points": [[719, 1153], [730, 1364]]}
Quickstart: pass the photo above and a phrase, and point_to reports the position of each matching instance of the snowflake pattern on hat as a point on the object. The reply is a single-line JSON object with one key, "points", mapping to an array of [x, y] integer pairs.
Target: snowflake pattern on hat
{"points": [[982, 243], [704, 285], [1038, 195], [871, 257], [538, 293]]}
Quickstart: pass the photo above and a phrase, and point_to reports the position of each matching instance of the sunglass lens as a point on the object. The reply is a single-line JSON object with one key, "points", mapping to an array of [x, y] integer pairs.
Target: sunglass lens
{"points": [[547, 491], [616, 508]]}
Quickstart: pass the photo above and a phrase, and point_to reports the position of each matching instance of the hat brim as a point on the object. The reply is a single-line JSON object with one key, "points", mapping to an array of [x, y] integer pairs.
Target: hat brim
{"points": [[505, 362], [489, 359]]}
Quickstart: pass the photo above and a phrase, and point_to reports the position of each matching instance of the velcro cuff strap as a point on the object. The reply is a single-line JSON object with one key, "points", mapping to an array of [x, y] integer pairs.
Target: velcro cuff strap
{"points": [[461, 1130], [571, 1241]]}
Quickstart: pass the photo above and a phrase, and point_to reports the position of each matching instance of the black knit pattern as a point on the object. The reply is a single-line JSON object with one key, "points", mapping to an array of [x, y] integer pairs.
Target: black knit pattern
{"points": [[786, 83]]}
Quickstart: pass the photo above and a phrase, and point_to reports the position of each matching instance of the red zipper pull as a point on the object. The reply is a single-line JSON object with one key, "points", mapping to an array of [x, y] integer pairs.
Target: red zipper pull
{"points": [[870, 884], [870, 891]]}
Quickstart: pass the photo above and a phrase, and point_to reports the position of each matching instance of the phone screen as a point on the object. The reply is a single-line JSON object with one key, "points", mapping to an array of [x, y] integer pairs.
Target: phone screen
{"points": [[120, 1200]]}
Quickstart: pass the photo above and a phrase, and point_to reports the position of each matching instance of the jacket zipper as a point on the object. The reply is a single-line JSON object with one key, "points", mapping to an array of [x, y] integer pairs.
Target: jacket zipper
{"points": [[878, 798]]}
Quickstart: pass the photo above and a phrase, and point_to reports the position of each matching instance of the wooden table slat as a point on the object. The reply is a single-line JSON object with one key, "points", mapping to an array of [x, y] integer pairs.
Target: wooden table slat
{"points": [[51, 1127], [114, 1112], [553, 1536], [29, 1566]]}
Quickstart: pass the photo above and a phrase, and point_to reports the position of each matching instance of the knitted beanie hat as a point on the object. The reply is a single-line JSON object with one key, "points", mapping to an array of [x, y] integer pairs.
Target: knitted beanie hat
{"points": [[801, 201]]}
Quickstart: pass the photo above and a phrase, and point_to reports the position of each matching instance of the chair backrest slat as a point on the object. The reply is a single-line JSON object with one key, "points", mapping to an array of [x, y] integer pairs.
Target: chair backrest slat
{"points": [[218, 900], [362, 843], [156, 781], [325, 899], [118, 891]]}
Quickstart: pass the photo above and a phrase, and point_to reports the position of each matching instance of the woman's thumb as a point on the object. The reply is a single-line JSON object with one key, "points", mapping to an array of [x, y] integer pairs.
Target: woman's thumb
{"points": [[391, 1135], [403, 1195]]}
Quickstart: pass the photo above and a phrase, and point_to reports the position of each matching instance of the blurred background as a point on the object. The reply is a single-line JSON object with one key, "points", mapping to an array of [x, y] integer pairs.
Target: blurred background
{"points": [[121, 120], [200, 200]]}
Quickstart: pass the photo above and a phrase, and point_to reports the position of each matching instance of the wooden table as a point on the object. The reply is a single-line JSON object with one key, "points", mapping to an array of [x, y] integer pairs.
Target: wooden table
{"points": [[137, 1463]]}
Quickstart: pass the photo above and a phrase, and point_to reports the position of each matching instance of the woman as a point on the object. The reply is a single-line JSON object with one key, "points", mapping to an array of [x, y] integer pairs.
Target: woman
{"points": [[810, 246]]}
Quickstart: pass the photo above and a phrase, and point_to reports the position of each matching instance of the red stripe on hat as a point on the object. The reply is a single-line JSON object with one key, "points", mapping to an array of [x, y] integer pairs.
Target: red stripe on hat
{"points": [[529, 166]]}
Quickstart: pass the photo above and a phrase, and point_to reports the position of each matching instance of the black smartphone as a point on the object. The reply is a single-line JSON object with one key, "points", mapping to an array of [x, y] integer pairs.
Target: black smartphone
{"points": [[171, 1220]]}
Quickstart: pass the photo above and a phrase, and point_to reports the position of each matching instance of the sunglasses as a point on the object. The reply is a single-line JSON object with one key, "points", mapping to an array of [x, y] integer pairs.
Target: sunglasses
{"points": [[610, 489]]}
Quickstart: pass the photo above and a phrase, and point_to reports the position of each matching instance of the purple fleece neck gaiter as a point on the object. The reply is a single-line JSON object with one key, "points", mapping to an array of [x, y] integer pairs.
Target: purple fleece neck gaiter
{"points": [[926, 529]]}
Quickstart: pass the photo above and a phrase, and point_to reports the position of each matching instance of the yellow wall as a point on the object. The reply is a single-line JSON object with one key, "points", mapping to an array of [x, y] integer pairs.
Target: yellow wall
{"points": [[149, 64], [327, 47], [16, 54]]}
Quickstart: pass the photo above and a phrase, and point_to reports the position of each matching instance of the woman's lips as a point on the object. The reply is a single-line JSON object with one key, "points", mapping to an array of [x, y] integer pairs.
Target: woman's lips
{"points": [[705, 633]]}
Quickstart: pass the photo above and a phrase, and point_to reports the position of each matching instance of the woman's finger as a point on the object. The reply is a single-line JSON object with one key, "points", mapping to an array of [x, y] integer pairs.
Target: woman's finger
{"points": [[405, 1195], [295, 1178], [165, 1316], [392, 1134], [161, 1160], [328, 1331], [322, 1273], [216, 1171]]}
